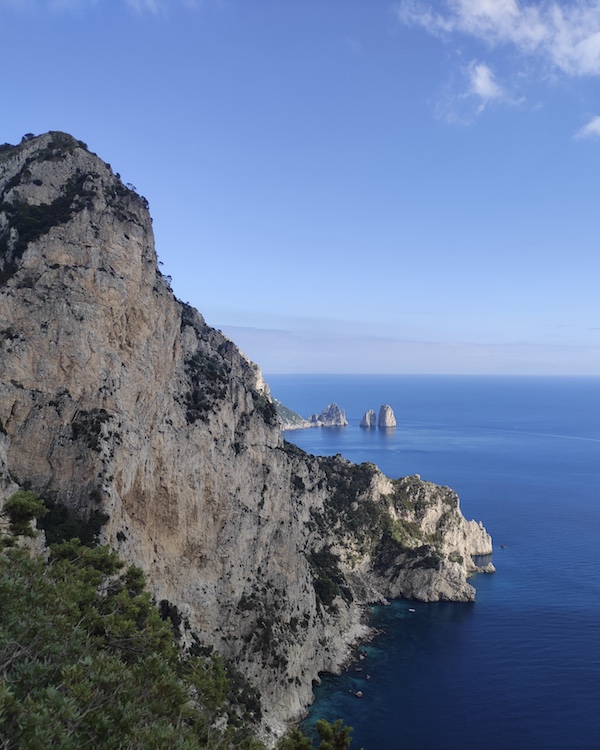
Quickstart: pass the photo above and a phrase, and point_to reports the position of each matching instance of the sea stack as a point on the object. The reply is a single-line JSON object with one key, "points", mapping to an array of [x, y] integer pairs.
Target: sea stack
{"points": [[369, 421], [386, 417], [331, 416]]}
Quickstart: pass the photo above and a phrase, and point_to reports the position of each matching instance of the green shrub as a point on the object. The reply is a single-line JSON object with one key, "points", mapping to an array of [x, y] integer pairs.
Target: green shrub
{"points": [[209, 378], [328, 579], [21, 509], [265, 407], [86, 661]]}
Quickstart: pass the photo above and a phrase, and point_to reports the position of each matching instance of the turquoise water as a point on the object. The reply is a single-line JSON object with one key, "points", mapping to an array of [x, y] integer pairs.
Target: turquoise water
{"points": [[519, 668]]}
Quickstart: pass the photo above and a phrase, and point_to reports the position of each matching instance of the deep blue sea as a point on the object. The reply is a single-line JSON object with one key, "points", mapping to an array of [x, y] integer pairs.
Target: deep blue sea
{"points": [[519, 668]]}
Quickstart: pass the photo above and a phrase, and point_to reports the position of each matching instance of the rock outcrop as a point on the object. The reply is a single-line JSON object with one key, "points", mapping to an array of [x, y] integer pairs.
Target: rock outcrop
{"points": [[387, 418], [331, 416], [289, 419], [369, 420], [117, 397]]}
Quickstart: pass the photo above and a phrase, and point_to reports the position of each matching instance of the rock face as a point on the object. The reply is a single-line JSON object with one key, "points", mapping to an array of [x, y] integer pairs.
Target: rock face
{"points": [[289, 419], [331, 416], [117, 397], [369, 421], [386, 417]]}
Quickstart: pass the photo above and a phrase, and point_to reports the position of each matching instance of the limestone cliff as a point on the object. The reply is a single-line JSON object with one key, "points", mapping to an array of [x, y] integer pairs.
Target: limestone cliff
{"points": [[115, 396]]}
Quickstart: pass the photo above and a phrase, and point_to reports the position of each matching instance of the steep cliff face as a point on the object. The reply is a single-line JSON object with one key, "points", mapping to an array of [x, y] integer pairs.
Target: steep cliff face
{"points": [[117, 397]]}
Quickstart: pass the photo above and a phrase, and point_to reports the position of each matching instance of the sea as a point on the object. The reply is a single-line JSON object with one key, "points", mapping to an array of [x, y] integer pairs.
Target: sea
{"points": [[518, 669]]}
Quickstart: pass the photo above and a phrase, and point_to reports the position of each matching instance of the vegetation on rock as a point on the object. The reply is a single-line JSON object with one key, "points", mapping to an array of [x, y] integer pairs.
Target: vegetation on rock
{"points": [[209, 376], [86, 660]]}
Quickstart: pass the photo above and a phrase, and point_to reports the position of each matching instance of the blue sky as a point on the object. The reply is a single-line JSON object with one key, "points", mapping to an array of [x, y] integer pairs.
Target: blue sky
{"points": [[345, 185]]}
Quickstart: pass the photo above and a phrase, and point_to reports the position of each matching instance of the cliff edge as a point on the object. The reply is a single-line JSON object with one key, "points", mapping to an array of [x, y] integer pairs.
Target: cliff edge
{"points": [[117, 399]]}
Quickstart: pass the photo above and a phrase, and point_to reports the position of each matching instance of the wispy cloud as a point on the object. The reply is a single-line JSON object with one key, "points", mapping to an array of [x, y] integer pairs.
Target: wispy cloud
{"points": [[590, 130], [566, 36], [547, 39], [483, 84], [467, 95]]}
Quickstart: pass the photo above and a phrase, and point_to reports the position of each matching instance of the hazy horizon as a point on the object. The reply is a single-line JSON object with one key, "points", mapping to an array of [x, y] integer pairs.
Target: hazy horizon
{"points": [[397, 186]]}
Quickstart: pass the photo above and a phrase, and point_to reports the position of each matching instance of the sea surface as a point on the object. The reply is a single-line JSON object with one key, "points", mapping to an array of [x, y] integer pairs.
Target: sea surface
{"points": [[520, 667]]}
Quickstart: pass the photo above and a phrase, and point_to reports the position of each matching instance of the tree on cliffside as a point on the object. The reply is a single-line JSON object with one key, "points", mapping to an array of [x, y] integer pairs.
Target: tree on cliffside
{"points": [[87, 661], [334, 736]]}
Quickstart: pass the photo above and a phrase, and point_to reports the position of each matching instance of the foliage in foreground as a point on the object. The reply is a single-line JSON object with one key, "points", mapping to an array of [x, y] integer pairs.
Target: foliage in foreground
{"points": [[334, 736], [87, 662]]}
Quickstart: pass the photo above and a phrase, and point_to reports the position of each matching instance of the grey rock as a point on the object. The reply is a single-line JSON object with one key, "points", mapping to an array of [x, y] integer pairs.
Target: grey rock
{"points": [[369, 421], [331, 416], [386, 417]]}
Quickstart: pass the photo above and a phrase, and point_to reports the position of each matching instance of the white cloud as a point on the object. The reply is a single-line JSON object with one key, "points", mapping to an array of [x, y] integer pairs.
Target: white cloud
{"points": [[591, 130], [566, 36], [483, 83], [464, 98]]}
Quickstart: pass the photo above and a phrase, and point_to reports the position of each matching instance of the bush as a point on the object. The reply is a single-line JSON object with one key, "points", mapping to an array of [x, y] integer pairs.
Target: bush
{"points": [[86, 661], [21, 509]]}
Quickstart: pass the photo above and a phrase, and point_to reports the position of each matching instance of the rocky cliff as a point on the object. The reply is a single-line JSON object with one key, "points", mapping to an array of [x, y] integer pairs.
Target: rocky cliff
{"points": [[118, 401]]}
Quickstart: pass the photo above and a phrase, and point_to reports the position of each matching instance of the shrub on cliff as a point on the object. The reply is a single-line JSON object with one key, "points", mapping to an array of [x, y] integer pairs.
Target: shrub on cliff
{"points": [[87, 661], [21, 509], [334, 736]]}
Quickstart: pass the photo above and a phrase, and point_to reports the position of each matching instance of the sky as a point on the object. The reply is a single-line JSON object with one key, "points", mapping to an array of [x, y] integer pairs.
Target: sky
{"points": [[345, 186]]}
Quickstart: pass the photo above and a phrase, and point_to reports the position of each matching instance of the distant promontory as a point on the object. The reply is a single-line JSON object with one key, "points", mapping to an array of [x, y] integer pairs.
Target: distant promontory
{"points": [[331, 416]]}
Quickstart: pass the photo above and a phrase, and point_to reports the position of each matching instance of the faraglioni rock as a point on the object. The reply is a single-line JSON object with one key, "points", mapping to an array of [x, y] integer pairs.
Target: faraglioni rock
{"points": [[331, 416], [369, 420], [387, 418], [118, 401]]}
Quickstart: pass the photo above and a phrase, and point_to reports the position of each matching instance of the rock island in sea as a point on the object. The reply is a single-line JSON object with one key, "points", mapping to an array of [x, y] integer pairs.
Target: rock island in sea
{"points": [[387, 418]]}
